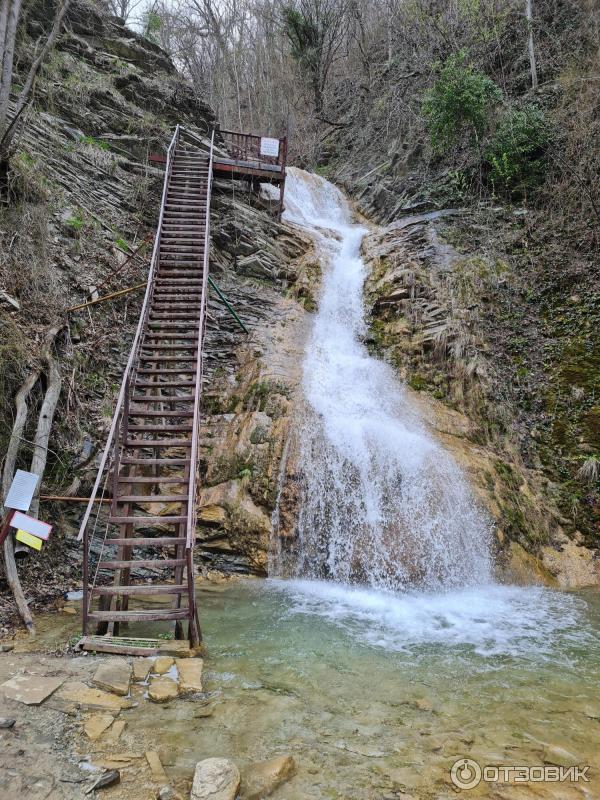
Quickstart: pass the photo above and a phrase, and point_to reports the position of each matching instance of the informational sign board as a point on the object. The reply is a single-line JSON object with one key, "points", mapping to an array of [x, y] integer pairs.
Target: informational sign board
{"points": [[269, 147], [29, 539], [31, 525], [21, 490]]}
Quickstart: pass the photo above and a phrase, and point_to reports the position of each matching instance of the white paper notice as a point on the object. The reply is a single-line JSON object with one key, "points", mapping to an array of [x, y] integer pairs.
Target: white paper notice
{"points": [[21, 490], [269, 147], [31, 525]]}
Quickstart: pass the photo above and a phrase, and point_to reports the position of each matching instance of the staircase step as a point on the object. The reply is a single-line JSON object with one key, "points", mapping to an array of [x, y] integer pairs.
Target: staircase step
{"points": [[142, 443], [155, 462], [162, 359], [151, 562], [182, 371], [174, 315], [139, 616], [151, 498], [159, 428], [141, 398], [145, 520], [149, 479], [167, 588], [144, 541]]}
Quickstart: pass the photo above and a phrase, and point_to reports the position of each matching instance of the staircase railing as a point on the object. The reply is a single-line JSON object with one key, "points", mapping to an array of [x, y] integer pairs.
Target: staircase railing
{"points": [[112, 443], [193, 471]]}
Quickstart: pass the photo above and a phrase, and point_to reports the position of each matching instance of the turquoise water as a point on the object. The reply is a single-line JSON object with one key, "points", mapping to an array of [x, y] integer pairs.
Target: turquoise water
{"points": [[376, 695]]}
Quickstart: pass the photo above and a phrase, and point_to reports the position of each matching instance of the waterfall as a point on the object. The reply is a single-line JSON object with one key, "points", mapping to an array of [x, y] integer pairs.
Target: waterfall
{"points": [[382, 505]]}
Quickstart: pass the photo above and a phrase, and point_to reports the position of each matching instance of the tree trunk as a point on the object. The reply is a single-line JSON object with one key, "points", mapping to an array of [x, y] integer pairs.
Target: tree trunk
{"points": [[12, 576], [8, 56], [44, 426], [530, 45], [12, 452], [7, 131]]}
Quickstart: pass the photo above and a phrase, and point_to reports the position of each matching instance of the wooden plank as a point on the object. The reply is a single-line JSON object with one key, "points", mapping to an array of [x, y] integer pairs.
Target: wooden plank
{"points": [[154, 498], [117, 520], [148, 541], [139, 616], [167, 588], [132, 564]]}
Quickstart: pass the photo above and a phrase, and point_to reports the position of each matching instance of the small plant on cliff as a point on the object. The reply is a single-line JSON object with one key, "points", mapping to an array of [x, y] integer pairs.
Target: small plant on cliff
{"points": [[516, 152], [460, 100]]}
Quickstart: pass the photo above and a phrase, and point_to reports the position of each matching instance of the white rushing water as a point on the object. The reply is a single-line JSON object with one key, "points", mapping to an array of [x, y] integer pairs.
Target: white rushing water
{"points": [[392, 547], [383, 505]]}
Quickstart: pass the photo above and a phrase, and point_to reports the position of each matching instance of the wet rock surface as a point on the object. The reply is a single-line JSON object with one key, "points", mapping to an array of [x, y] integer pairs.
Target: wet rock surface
{"points": [[215, 779], [263, 778]]}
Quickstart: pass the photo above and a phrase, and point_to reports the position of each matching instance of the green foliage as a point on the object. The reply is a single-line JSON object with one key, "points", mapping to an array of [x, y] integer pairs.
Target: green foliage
{"points": [[122, 244], [76, 222], [303, 35], [152, 24], [461, 99], [94, 142], [516, 151]]}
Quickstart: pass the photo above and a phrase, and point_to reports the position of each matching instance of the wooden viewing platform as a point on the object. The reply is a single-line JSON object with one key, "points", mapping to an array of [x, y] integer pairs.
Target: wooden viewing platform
{"points": [[247, 156]]}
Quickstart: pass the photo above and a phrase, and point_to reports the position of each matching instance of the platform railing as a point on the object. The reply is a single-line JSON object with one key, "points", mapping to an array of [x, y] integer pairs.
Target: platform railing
{"points": [[250, 147]]}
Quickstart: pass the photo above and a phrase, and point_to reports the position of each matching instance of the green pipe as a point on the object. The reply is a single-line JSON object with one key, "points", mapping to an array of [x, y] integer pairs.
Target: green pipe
{"points": [[229, 308]]}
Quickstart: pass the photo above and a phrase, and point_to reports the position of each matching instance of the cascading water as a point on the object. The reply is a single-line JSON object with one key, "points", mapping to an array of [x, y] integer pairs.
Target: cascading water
{"points": [[383, 504]]}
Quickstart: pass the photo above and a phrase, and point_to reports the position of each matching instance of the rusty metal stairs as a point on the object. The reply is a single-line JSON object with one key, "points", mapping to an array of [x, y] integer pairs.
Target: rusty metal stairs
{"points": [[149, 466]]}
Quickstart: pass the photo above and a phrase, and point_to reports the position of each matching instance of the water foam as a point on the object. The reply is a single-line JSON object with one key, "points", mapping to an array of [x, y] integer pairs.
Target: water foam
{"points": [[492, 620]]}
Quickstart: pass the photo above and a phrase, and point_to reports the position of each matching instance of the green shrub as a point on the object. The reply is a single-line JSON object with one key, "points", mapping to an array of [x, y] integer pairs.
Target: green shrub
{"points": [[460, 100], [516, 151]]}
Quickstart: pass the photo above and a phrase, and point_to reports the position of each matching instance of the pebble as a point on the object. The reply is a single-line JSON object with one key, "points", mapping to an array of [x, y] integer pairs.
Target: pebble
{"points": [[6, 723]]}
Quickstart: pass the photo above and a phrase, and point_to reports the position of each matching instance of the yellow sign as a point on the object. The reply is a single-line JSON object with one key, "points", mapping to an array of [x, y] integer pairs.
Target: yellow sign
{"points": [[29, 539]]}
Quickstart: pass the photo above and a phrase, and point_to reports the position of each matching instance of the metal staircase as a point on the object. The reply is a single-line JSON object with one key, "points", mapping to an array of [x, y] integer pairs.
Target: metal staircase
{"points": [[149, 466]]}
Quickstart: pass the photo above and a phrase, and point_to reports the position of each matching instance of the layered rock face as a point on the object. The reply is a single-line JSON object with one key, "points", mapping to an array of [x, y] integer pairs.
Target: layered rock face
{"points": [[451, 320]]}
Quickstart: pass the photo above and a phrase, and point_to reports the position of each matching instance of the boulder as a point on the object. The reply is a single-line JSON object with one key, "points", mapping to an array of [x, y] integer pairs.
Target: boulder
{"points": [[113, 675], [215, 779], [261, 779], [161, 690]]}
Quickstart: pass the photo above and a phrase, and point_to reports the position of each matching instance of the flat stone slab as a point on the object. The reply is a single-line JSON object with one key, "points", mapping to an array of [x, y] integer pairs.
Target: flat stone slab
{"points": [[156, 768], [30, 689], [113, 675], [95, 725], [115, 731], [141, 668], [162, 664], [162, 689], [81, 695], [190, 674], [215, 779]]}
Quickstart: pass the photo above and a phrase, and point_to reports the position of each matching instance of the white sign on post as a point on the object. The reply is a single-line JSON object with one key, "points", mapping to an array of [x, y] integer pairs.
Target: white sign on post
{"points": [[31, 525], [21, 490], [269, 147]]}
